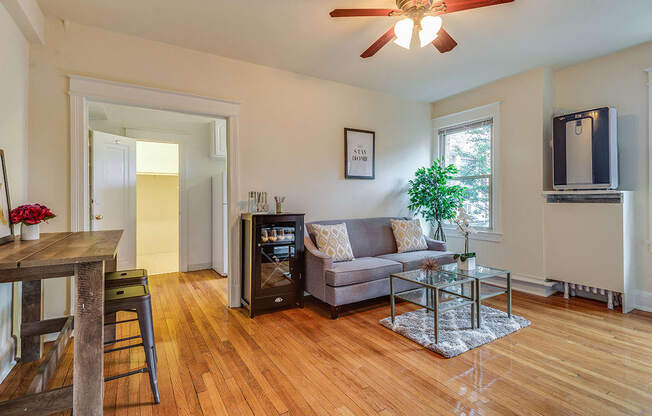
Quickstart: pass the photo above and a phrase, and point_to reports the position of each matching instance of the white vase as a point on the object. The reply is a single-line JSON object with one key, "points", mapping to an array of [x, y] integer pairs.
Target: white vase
{"points": [[29, 232], [468, 264]]}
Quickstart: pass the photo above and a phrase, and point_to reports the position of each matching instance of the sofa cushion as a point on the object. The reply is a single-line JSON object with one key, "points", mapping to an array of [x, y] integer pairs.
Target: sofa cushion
{"points": [[412, 260], [333, 240], [363, 269], [408, 235]]}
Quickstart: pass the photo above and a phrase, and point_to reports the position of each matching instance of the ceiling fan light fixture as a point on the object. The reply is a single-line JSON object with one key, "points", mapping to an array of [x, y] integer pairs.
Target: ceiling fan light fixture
{"points": [[403, 31], [430, 26]]}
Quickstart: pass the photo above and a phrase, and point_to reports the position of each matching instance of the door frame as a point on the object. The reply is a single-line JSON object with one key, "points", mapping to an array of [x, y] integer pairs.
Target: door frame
{"points": [[84, 89]]}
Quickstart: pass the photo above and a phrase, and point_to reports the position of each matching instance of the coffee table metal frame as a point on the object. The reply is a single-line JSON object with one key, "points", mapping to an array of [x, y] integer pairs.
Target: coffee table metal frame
{"points": [[479, 274], [433, 287]]}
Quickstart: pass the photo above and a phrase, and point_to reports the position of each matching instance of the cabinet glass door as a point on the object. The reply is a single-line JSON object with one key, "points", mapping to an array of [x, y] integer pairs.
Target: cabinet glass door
{"points": [[277, 255]]}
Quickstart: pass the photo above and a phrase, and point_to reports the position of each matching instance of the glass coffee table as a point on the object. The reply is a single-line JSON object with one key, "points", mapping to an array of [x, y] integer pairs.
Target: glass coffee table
{"points": [[483, 289], [460, 290]]}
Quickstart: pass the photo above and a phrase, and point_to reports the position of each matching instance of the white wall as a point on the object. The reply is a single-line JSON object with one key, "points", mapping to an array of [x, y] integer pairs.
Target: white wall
{"points": [[521, 134], [157, 157], [618, 80], [14, 70], [291, 126]]}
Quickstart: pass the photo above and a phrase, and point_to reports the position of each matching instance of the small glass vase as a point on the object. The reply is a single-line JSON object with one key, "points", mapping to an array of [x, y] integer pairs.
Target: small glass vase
{"points": [[468, 264], [30, 232]]}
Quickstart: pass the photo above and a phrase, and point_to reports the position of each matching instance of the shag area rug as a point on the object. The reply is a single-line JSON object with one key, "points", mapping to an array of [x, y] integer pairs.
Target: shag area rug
{"points": [[455, 333]]}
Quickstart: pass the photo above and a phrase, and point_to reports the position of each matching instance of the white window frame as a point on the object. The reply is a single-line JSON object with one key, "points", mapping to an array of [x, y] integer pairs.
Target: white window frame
{"points": [[485, 112]]}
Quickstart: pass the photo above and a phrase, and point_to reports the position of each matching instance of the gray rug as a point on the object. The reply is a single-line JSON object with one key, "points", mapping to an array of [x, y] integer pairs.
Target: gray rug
{"points": [[455, 333]]}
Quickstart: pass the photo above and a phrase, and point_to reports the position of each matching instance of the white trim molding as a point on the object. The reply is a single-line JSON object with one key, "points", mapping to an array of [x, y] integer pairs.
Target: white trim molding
{"points": [[29, 18], [532, 285], [84, 89], [478, 236], [649, 166], [468, 116]]}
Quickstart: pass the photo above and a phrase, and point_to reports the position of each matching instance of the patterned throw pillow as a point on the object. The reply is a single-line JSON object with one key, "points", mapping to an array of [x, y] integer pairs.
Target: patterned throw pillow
{"points": [[408, 235], [333, 240]]}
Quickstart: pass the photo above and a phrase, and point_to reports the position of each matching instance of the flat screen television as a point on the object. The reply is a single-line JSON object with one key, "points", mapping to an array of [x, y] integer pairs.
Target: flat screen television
{"points": [[585, 150]]}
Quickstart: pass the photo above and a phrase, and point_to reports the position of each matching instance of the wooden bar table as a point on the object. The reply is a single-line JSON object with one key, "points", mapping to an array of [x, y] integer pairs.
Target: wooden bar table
{"points": [[84, 255]]}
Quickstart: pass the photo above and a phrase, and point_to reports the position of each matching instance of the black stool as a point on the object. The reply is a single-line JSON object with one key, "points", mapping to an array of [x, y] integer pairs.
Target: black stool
{"points": [[135, 298], [125, 278]]}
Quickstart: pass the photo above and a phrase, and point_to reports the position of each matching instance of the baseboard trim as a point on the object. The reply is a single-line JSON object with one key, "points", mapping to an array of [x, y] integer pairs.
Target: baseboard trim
{"points": [[199, 266], [643, 300], [527, 284]]}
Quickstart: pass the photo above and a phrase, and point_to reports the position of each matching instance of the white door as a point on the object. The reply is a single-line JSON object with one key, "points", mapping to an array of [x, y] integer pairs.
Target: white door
{"points": [[113, 191]]}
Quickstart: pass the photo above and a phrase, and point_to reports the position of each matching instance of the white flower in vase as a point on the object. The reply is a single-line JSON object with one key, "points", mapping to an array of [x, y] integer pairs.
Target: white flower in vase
{"points": [[463, 221]]}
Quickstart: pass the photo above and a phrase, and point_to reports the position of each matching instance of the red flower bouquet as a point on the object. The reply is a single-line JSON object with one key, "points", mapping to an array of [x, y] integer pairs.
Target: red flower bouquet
{"points": [[31, 214]]}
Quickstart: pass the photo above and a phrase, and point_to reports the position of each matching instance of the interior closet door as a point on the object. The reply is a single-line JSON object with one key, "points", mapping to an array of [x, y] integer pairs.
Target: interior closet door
{"points": [[113, 191]]}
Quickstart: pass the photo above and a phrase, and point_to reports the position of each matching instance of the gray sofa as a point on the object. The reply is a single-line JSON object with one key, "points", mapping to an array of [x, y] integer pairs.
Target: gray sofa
{"points": [[366, 277]]}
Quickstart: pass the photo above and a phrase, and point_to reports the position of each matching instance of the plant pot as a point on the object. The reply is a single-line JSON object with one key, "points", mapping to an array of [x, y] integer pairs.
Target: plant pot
{"points": [[29, 232], [468, 264]]}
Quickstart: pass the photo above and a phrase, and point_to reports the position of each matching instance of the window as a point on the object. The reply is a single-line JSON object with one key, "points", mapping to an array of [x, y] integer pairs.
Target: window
{"points": [[470, 141], [468, 147]]}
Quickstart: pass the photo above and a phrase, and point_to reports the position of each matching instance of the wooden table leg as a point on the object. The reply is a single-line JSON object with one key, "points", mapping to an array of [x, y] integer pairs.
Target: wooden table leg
{"points": [[31, 347], [88, 372], [111, 330]]}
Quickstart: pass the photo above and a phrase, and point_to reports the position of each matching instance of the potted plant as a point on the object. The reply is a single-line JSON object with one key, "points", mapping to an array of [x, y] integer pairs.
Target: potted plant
{"points": [[465, 260], [432, 197], [30, 216]]}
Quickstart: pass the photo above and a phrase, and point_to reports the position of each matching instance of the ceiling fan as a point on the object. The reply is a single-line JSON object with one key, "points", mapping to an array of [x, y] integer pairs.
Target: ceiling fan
{"points": [[424, 15]]}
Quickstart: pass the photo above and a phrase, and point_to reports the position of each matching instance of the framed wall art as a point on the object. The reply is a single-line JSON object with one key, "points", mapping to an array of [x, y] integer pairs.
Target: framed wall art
{"points": [[359, 154]]}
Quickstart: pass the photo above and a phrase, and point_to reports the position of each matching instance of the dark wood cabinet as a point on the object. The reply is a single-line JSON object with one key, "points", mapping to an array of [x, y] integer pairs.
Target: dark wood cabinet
{"points": [[272, 262]]}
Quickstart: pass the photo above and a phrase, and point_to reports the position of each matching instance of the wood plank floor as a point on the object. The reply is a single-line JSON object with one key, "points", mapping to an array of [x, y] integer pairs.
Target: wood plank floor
{"points": [[576, 358]]}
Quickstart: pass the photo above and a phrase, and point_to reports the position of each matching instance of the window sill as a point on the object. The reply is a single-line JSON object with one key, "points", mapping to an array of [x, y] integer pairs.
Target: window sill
{"points": [[492, 236]]}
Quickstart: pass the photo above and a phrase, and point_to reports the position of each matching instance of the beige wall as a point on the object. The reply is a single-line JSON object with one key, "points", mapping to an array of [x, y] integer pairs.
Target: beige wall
{"points": [[618, 80], [527, 104], [158, 223], [521, 136], [14, 59], [291, 126]]}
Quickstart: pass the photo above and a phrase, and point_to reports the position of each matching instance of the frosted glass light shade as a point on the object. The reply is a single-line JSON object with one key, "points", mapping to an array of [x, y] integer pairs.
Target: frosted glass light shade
{"points": [[430, 26], [403, 30]]}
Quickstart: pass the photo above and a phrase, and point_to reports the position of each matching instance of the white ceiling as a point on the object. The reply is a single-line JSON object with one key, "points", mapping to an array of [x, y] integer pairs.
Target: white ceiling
{"points": [[299, 36]]}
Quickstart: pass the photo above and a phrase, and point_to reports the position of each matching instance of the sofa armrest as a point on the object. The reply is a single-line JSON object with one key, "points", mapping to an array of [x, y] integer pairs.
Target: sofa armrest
{"points": [[435, 244], [316, 265]]}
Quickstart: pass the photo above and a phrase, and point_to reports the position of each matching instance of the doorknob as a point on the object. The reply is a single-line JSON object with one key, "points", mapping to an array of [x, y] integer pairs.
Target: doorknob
{"points": [[99, 217]]}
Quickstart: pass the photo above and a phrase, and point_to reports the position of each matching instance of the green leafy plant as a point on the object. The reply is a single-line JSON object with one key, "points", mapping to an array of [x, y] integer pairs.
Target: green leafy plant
{"points": [[432, 197]]}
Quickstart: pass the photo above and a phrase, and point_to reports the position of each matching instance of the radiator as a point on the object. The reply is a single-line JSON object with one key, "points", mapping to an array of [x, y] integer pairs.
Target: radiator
{"points": [[589, 243]]}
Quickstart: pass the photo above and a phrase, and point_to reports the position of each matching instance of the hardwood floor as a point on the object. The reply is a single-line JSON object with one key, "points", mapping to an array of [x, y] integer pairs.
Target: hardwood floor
{"points": [[577, 358]]}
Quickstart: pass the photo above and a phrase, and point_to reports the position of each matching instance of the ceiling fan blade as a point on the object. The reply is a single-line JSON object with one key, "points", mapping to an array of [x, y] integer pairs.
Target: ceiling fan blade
{"points": [[444, 42], [382, 41], [453, 6], [364, 12]]}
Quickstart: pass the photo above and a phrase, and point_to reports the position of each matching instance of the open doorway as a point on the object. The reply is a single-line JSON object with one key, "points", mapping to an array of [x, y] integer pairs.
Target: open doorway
{"points": [[157, 200], [161, 177]]}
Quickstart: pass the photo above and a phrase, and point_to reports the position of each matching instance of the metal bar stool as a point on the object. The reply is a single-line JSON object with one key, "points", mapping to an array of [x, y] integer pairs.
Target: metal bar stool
{"points": [[138, 299], [122, 278], [126, 278]]}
